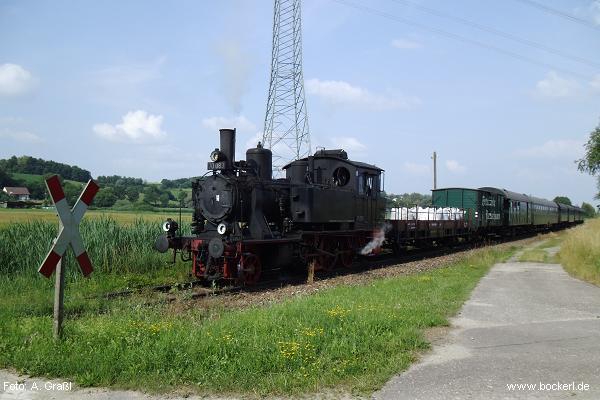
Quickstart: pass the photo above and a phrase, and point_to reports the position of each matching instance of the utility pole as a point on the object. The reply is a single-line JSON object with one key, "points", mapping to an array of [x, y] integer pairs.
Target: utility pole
{"points": [[434, 157], [286, 131]]}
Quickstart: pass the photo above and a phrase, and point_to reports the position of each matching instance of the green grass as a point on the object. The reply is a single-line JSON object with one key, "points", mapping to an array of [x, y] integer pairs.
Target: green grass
{"points": [[348, 337], [553, 239], [535, 255], [538, 253], [113, 247], [580, 251]]}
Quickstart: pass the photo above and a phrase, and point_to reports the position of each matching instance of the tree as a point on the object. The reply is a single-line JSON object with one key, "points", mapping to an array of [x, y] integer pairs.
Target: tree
{"points": [[72, 192], [167, 184], [120, 191], [591, 162], [37, 189], [5, 179], [164, 199], [407, 200], [133, 193], [182, 197], [151, 195], [563, 200], [588, 209], [105, 198]]}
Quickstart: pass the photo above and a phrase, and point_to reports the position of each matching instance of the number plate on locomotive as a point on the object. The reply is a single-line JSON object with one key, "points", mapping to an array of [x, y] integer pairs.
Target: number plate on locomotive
{"points": [[216, 165]]}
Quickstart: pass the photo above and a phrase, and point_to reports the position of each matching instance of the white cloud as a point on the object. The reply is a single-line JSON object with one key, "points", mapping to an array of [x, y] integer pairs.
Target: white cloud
{"points": [[15, 80], [251, 142], [21, 136], [405, 44], [136, 126], [556, 86], [348, 143], [415, 168], [595, 83], [553, 149], [241, 123], [340, 92], [455, 166]]}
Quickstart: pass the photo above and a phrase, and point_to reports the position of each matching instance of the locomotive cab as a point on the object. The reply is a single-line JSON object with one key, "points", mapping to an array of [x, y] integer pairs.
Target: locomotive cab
{"points": [[330, 190]]}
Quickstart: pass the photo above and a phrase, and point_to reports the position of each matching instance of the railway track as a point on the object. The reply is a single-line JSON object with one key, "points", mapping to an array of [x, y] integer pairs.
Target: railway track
{"points": [[277, 280]]}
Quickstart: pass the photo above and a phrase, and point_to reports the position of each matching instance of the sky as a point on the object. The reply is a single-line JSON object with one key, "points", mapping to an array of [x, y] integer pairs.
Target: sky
{"points": [[505, 92]]}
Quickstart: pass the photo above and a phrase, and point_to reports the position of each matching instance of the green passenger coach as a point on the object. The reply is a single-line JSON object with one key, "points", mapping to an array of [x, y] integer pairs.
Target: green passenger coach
{"points": [[521, 209], [489, 207]]}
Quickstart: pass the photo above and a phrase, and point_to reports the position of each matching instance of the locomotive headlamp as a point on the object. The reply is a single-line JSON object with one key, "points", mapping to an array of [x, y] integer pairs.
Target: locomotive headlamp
{"points": [[222, 228], [170, 226], [215, 155]]}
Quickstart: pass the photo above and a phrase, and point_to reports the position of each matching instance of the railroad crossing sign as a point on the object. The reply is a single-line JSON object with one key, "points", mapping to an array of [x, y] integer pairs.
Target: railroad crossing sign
{"points": [[68, 233]]}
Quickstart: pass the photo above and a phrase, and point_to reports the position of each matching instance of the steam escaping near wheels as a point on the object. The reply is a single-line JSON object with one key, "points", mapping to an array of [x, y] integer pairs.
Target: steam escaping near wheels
{"points": [[378, 239]]}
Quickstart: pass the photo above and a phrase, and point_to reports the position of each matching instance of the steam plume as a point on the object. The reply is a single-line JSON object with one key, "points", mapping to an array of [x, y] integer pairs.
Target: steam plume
{"points": [[377, 241]]}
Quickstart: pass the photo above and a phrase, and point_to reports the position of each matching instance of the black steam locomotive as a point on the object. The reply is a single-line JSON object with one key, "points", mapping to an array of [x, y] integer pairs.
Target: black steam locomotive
{"points": [[325, 210]]}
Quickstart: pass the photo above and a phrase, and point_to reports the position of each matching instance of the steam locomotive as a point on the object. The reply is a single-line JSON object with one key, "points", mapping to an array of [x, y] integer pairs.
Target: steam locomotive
{"points": [[325, 210]]}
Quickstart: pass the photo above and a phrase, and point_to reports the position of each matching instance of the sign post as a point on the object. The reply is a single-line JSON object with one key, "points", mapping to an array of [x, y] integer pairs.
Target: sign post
{"points": [[59, 296], [68, 235]]}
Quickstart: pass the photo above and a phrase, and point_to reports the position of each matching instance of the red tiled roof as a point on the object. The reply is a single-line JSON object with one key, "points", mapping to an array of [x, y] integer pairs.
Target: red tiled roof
{"points": [[16, 191]]}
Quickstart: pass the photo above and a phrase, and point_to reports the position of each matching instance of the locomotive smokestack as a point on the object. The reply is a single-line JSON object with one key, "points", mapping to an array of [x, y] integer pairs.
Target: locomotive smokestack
{"points": [[228, 146]]}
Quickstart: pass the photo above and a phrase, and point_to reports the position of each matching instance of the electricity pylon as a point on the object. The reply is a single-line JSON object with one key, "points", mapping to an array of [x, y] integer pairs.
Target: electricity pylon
{"points": [[286, 122]]}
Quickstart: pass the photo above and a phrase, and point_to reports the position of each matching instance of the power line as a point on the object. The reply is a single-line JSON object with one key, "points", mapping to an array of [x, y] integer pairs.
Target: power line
{"points": [[498, 32], [460, 38], [562, 14]]}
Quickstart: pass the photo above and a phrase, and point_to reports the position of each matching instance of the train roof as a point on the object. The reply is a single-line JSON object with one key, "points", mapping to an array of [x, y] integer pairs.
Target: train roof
{"points": [[519, 196], [337, 154], [570, 207]]}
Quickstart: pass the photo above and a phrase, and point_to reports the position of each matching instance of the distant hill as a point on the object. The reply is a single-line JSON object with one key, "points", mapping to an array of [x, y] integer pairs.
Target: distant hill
{"points": [[118, 191], [37, 166]]}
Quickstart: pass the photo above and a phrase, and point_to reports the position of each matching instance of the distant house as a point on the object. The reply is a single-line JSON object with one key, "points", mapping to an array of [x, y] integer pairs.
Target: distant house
{"points": [[17, 193]]}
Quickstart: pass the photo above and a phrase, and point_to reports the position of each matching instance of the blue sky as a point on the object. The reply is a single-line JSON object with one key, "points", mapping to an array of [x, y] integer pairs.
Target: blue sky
{"points": [[139, 88]]}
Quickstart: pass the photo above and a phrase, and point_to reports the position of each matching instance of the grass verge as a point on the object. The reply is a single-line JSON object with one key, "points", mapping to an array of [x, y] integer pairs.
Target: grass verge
{"points": [[349, 337], [535, 255], [580, 251]]}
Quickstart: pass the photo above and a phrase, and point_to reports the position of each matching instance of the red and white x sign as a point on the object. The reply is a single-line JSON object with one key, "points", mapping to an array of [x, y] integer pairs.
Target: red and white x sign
{"points": [[69, 231]]}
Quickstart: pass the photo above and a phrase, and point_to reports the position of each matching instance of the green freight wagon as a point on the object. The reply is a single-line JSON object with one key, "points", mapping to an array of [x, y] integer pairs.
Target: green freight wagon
{"points": [[482, 208]]}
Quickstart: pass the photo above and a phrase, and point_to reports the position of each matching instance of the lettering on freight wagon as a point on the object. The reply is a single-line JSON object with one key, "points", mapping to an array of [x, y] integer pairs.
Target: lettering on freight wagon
{"points": [[488, 202], [490, 215]]}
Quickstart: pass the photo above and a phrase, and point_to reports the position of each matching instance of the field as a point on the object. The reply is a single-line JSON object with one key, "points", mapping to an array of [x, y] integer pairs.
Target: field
{"points": [[9, 216], [580, 251], [350, 337]]}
